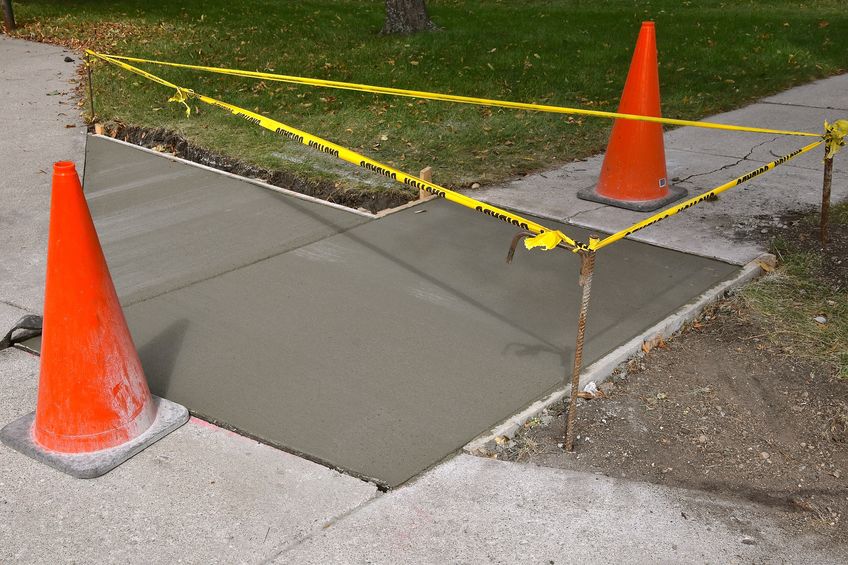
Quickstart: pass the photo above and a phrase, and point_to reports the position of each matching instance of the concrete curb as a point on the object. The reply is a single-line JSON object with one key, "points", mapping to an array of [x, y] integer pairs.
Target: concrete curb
{"points": [[601, 369]]}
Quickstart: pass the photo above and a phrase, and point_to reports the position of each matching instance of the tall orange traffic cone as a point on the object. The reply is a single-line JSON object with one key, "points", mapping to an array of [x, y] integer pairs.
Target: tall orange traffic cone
{"points": [[633, 175], [94, 409]]}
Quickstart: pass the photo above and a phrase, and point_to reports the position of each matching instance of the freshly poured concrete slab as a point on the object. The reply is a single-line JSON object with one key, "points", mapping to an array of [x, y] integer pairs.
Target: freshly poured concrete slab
{"points": [[378, 350], [383, 349], [165, 224]]}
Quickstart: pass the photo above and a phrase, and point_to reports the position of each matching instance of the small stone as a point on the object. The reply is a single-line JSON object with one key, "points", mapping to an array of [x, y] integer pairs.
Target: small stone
{"points": [[764, 230], [702, 438], [749, 541], [820, 319], [475, 185], [69, 60], [764, 455]]}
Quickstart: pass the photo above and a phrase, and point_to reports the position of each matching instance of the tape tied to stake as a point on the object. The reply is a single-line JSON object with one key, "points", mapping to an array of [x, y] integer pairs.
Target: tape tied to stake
{"points": [[834, 137], [181, 96], [547, 240]]}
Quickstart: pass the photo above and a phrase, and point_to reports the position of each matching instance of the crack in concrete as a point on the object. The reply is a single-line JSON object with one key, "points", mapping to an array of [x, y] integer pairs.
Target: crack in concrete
{"points": [[288, 546], [569, 218], [724, 167], [13, 305]]}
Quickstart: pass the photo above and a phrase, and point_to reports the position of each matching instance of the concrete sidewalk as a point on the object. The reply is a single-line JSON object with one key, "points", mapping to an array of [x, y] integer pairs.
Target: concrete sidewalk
{"points": [[699, 160], [203, 495], [41, 124], [473, 510]]}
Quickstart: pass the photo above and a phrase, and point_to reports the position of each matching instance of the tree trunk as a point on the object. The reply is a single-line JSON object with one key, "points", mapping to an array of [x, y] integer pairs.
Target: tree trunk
{"points": [[406, 16], [8, 16]]}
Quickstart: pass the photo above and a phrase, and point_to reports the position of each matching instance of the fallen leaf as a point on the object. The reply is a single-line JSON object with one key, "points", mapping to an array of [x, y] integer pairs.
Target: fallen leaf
{"points": [[767, 267]]}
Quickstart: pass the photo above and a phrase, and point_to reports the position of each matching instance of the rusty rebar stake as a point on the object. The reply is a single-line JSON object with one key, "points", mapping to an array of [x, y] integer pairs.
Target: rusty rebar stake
{"points": [[827, 180], [88, 63], [587, 268]]}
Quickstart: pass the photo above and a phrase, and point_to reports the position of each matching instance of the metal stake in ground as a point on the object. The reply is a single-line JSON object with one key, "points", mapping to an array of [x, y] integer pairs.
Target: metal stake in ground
{"points": [[88, 62], [825, 206], [587, 268]]}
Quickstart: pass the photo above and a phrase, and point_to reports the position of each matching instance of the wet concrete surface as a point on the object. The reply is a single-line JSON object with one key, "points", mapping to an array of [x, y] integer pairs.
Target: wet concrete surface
{"points": [[378, 347]]}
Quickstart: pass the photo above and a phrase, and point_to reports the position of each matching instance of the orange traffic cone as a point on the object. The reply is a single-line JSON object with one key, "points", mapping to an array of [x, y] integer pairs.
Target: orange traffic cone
{"points": [[94, 409], [633, 175]]}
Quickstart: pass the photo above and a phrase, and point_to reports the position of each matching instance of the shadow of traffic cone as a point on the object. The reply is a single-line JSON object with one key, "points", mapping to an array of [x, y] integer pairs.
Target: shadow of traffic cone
{"points": [[94, 409], [633, 175]]}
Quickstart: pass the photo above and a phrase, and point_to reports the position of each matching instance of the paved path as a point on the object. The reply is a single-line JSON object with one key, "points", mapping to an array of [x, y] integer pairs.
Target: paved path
{"points": [[204, 495], [38, 106], [201, 494], [473, 510], [699, 160]]}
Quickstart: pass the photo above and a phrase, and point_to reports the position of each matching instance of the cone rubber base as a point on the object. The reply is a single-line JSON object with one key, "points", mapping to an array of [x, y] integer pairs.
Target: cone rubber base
{"points": [[18, 436], [675, 193]]}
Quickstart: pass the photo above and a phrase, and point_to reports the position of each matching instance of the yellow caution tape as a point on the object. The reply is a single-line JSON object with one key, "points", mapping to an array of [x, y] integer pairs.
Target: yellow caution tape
{"points": [[834, 137], [182, 97], [700, 198], [345, 154], [545, 238], [546, 241], [454, 98]]}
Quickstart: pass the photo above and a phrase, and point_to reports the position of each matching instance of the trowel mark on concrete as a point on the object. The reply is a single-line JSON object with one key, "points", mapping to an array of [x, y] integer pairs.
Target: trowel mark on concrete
{"points": [[433, 295], [323, 251]]}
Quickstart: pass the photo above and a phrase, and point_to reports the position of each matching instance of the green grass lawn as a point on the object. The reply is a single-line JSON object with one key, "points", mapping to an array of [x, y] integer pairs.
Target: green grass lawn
{"points": [[713, 56]]}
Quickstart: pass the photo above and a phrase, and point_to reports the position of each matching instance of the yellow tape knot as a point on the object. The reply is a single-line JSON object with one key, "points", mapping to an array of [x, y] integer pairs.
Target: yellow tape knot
{"points": [[834, 137], [182, 95], [546, 240]]}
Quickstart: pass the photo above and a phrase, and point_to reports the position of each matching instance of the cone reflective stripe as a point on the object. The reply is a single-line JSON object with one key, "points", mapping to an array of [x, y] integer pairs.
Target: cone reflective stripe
{"points": [[94, 407], [633, 174]]}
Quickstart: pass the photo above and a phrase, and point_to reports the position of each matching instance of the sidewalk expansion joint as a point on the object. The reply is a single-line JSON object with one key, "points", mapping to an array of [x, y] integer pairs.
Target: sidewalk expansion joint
{"points": [[793, 105]]}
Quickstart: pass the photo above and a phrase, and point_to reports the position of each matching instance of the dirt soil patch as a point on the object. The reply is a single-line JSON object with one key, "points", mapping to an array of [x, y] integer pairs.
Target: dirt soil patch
{"points": [[726, 407], [166, 141]]}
